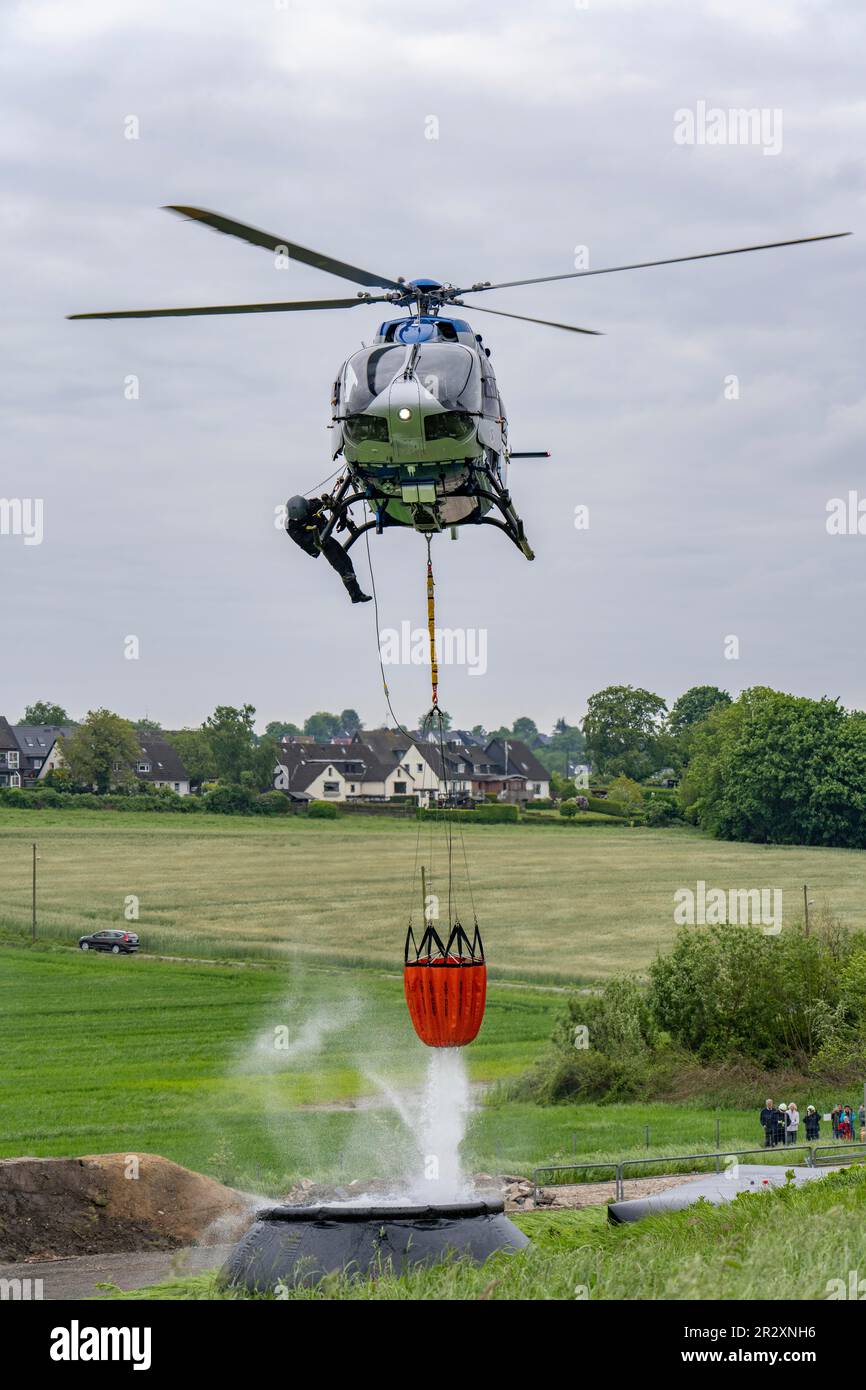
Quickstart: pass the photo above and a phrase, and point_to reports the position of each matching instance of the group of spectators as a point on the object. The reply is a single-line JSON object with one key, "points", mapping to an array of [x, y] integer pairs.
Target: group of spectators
{"points": [[845, 1119], [781, 1124]]}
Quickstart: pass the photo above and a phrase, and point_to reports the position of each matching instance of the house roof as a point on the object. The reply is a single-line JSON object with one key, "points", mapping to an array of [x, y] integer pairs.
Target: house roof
{"points": [[305, 762], [8, 742], [37, 740], [164, 759], [519, 759], [388, 745], [462, 736]]}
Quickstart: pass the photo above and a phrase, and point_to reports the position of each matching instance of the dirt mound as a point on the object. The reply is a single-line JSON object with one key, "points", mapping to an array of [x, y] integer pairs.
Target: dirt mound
{"points": [[111, 1202]]}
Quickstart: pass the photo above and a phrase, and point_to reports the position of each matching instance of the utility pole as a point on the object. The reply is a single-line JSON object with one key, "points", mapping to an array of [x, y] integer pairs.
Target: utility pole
{"points": [[807, 903], [806, 906], [33, 903]]}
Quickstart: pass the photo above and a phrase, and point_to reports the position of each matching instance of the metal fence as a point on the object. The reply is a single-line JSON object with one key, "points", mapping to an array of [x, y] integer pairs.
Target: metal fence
{"points": [[817, 1156]]}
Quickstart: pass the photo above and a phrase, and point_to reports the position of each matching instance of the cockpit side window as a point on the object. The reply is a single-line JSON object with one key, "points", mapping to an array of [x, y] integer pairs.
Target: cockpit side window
{"points": [[491, 406]]}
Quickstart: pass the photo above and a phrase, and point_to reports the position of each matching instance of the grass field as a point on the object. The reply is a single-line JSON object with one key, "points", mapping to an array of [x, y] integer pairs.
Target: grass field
{"points": [[103, 1054], [788, 1244], [556, 902], [293, 1056]]}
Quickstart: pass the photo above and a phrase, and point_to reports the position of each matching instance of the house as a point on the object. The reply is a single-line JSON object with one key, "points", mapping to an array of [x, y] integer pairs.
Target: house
{"points": [[159, 763], [28, 752], [41, 749], [383, 764], [523, 777], [332, 772], [411, 767], [10, 756]]}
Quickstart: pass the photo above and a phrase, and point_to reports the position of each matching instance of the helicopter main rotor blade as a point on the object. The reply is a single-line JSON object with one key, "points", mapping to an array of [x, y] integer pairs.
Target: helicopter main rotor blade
{"points": [[548, 323], [290, 248], [644, 265], [278, 308]]}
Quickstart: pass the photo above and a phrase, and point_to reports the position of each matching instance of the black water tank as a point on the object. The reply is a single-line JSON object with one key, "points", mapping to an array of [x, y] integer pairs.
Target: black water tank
{"points": [[297, 1246]]}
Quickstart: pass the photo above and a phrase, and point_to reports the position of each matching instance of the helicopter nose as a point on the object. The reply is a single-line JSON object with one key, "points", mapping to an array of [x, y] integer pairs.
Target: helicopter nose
{"points": [[405, 419]]}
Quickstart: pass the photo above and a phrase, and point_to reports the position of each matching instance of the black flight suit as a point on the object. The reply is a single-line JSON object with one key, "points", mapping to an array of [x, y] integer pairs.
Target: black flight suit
{"points": [[305, 522]]}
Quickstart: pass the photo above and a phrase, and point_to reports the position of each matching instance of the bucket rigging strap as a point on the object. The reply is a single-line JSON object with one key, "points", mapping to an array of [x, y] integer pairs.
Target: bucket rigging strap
{"points": [[431, 629]]}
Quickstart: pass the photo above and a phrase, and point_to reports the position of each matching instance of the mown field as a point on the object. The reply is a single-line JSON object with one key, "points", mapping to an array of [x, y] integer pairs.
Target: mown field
{"points": [[556, 902], [792, 1243]]}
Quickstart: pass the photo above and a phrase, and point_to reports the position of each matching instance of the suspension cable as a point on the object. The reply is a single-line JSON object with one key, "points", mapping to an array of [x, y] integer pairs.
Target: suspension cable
{"points": [[435, 713]]}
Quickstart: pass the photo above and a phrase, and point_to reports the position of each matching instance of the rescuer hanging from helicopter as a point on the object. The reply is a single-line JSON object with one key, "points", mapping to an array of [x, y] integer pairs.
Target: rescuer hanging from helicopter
{"points": [[305, 522]]}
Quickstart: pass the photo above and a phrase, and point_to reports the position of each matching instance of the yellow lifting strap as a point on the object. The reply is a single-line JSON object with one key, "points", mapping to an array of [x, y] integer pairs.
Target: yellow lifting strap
{"points": [[431, 629]]}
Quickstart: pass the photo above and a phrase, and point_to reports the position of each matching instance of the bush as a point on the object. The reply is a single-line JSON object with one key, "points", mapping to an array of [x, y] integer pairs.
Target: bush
{"points": [[628, 794], [732, 991], [14, 796], [541, 803], [322, 810], [489, 813], [588, 1075], [231, 800], [568, 809], [48, 796], [273, 804], [603, 807], [502, 811], [119, 799], [660, 812]]}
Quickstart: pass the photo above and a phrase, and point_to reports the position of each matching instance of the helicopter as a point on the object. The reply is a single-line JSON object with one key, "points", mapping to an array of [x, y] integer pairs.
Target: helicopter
{"points": [[417, 414]]}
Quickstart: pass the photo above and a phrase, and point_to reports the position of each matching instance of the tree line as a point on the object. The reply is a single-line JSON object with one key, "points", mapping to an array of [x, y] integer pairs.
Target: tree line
{"points": [[766, 766]]}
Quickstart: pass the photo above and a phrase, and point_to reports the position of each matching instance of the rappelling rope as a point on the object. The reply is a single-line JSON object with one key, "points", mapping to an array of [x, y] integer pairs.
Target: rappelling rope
{"points": [[400, 728]]}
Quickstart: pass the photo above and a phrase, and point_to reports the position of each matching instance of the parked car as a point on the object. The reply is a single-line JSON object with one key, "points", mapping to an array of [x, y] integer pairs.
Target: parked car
{"points": [[113, 941]]}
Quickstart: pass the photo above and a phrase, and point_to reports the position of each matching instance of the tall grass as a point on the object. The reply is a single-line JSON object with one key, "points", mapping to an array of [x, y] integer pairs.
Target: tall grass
{"points": [[788, 1243]]}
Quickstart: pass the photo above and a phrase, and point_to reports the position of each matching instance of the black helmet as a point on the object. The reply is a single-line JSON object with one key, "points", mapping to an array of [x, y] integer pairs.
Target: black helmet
{"points": [[297, 509]]}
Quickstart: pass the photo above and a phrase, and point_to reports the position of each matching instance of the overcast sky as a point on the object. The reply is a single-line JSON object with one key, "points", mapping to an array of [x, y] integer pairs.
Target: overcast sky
{"points": [[556, 129]]}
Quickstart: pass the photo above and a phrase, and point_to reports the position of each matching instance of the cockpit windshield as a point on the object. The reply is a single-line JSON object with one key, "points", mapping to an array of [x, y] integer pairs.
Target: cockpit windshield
{"points": [[367, 373], [450, 373]]}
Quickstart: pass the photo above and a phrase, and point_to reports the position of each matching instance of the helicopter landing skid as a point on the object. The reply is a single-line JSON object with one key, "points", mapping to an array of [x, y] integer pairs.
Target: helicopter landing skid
{"points": [[341, 518]]}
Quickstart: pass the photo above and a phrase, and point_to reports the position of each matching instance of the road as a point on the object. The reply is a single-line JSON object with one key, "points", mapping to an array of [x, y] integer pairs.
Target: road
{"points": [[77, 1277]]}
